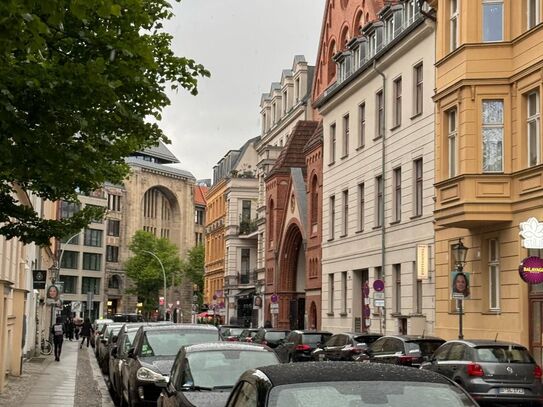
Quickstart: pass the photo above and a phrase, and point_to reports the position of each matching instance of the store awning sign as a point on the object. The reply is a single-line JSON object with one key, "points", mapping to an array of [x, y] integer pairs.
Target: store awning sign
{"points": [[532, 234], [531, 270]]}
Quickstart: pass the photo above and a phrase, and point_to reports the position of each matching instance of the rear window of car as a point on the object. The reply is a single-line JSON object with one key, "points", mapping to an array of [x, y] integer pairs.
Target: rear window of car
{"points": [[426, 348], [168, 343], [313, 339], [366, 339], [503, 354], [232, 331], [275, 336]]}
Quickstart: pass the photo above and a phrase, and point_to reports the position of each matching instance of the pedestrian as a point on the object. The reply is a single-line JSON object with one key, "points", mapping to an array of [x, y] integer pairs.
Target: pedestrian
{"points": [[70, 329], [86, 332], [57, 331], [78, 322]]}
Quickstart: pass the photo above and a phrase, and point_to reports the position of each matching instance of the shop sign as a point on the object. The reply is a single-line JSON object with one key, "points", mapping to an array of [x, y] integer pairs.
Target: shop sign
{"points": [[422, 261], [531, 270], [39, 277], [532, 234]]}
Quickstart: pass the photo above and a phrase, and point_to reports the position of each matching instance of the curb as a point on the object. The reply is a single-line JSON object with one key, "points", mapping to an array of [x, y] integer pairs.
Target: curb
{"points": [[99, 379]]}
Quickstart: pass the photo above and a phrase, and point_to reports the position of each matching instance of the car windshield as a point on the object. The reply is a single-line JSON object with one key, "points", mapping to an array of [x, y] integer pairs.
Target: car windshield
{"points": [[426, 348], [275, 336], [314, 339], [223, 368], [503, 354], [366, 339], [370, 393], [167, 343], [232, 331]]}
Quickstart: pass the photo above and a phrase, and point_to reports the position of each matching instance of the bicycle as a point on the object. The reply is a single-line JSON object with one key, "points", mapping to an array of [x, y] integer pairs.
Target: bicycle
{"points": [[46, 348]]}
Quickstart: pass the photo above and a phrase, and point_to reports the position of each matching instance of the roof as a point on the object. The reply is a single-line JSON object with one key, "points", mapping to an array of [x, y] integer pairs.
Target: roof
{"points": [[180, 327], [309, 331], [200, 192], [292, 155], [486, 342], [315, 140], [244, 148], [135, 162], [161, 151], [409, 338], [220, 346], [308, 372]]}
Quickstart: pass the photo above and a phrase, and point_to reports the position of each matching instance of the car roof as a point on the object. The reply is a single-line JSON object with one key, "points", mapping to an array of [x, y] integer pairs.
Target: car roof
{"points": [[103, 321], [308, 372], [179, 327], [410, 338], [311, 332], [486, 342], [274, 330], [219, 346]]}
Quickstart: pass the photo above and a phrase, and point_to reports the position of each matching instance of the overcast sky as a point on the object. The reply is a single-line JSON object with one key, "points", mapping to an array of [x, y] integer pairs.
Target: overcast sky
{"points": [[245, 44]]}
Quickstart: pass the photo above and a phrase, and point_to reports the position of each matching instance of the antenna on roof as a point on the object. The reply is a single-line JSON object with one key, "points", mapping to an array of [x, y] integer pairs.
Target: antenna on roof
{"points": [[496, 338]]}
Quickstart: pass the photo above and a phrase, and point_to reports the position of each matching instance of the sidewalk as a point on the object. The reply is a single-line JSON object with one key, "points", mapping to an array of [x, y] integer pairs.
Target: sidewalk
{"points": [[75, 381]]}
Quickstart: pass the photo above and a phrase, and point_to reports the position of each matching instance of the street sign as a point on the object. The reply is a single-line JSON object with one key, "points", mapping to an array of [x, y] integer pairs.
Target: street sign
{"points": [[379, 295], [274, 298], [274, 310], [378, 285], [170, 305], [378, 303], [274, 306]]}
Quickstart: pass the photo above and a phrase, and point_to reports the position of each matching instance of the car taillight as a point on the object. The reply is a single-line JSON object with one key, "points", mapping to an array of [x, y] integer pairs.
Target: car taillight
{"points": [[474, 369], [537, 372], [303, 347], [406, 359], [355, 350]]}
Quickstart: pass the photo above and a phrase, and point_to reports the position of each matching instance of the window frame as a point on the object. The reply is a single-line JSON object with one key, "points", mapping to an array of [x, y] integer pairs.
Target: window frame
{"points": [[332, 219], [379, 201], [380, 115], [452, 142], [397, 194], [489, 126], [493, 274], [345, 141], [535, 13], [332, 146], [361, 125], [345, 212], [361, 206], [454, 17], [536, 120], [397, 272], [418, 89], [397, 102], [418, 185], [486, 3]]}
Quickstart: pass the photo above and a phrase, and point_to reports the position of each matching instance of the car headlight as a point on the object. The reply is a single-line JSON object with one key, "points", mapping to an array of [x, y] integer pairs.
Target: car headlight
{"points": [[147, 375]]}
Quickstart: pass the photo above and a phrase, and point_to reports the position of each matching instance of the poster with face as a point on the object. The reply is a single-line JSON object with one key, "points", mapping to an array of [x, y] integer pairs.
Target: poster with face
{"points": [[460, 284], [53, 292]]}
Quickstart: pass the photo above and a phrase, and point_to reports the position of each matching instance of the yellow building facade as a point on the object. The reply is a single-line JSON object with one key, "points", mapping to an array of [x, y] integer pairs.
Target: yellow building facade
{"points": [[488, 168], [214, 244]]}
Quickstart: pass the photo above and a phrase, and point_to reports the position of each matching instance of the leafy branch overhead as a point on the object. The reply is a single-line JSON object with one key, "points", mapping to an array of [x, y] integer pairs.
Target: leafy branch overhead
{"points": [[78, 82]]}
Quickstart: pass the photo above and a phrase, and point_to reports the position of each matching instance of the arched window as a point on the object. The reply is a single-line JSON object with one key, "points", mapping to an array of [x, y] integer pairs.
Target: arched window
{"points": [[331, 63], [358, 23], [314, 200], [344, 39], [114, 282], [271, 222]]}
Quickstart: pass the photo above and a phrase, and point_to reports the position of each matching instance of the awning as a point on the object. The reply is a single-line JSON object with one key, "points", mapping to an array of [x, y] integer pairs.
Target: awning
{"points": [[246, 293]]}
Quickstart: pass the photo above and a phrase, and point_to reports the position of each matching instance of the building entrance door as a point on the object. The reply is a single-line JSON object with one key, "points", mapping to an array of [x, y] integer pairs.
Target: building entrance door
{"points": [[536, 332]]}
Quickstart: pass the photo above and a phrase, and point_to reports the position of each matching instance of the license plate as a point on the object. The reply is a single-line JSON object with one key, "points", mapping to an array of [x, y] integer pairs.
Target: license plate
{"points": [[321, 357], [511, 390]]}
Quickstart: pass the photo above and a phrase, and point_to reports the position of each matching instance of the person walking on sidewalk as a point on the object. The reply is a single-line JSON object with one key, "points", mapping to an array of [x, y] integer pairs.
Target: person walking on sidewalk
{"points": [[58, 335], [86, 332]]}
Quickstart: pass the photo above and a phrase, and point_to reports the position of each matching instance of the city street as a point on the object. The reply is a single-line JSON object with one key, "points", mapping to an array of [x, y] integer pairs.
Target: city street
{"points": [[74, 381]]}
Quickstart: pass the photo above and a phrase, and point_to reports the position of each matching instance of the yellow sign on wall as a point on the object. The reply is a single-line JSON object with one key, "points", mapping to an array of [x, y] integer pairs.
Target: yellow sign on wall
{"points": [[422, 261]]}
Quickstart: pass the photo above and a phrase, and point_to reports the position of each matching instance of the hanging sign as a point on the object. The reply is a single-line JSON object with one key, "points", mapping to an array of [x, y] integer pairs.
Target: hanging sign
{"points": [[532, 234], [422, 262], [531, 270]]}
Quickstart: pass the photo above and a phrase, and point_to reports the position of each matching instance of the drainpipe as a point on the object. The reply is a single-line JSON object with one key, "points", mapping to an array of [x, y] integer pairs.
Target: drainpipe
{"points": [[383, 227]]}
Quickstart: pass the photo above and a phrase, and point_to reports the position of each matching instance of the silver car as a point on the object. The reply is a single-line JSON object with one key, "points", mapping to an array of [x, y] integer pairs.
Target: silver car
{"points": [[490, 371]]}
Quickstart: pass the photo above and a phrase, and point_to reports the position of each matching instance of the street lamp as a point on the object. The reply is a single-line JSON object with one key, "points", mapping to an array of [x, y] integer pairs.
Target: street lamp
{"points": [[460, 253], [163, 274]]}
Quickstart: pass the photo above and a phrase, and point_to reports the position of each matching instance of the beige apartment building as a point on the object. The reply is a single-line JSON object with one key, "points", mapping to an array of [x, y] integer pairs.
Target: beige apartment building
{"points": [[489, 173], [378, 129]]}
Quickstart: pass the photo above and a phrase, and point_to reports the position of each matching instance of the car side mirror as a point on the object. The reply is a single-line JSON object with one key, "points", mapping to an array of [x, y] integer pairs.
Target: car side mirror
{"points": [[131, 352]]}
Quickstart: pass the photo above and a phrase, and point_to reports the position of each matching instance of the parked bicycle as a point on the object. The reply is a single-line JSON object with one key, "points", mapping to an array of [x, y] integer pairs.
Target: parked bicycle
{"points": [[46, 348]]}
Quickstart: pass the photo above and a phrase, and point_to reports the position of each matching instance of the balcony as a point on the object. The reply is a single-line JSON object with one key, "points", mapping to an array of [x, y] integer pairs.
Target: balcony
{"points": [[247, 226], [471, 201], [233, 281]]}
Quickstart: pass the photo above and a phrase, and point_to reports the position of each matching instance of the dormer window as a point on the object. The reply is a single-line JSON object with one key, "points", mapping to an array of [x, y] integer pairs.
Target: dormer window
{"points": [[411, 11], [343, 60]]}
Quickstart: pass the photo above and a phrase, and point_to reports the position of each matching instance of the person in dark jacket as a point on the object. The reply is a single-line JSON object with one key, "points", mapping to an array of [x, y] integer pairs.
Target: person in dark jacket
{"points": [[86, 332], [57, 330]]}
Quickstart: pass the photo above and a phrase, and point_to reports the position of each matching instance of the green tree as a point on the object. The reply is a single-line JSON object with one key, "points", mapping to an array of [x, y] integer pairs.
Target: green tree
{"points": [[79, 81], [144, 269], [193, 268]]}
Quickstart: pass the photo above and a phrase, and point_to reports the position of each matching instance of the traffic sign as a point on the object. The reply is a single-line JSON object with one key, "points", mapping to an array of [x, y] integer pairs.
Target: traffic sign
{"points": [[274, 298], [274, 306], [379, 295], [378, 303], [378, 285]]}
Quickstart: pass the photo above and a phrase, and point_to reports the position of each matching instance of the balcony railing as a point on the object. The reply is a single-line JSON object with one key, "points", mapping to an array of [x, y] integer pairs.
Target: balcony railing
{"points": [[241, 278], [247, 226]]}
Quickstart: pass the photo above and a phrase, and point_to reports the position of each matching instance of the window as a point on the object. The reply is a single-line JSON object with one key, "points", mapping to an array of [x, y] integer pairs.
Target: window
{"points": [[345, 223], [331, 226], [246, 209], [397, 273], [418, 91], [314, 201], [418, 308], [68, 209], [494, 274], [344, 292], [332, 143], [245, 265], [69, 259], [397, 89], [199, 216], [492, 20], [532, 10], [93, 237], [90, 284], [380, 103], [452, 141], [362, 125], [361, 205], [532, 108], [492, 135], [199, 238], [417, 164], [379, 203], [73, 239], [271, 223], [112, 253], [284, 102], [331, 293], [345, 146], [92, 261], [113, 227], [397, 194], [453, 22], [297, 90], [114, 202], [114, 282], [70, 284]]}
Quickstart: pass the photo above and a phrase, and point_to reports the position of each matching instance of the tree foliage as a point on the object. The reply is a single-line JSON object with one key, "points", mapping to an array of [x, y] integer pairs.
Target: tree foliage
{"points": [[144, 269], [79, 80], [193, 268]]}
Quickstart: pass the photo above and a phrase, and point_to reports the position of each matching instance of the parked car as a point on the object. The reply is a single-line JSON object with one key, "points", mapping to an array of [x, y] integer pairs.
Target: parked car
{"points": [[298, 345], [248, 334], [347, 346], [131, 317], [205, 374], [99, 324], [270, 336], [151, 357], [499, 372], [406, 350], [230, 332], [103, 342], [326, 384]]}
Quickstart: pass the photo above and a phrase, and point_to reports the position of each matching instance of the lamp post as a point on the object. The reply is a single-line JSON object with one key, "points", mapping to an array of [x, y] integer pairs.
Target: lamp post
{"points": [[460, 252], [163, 274]]}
